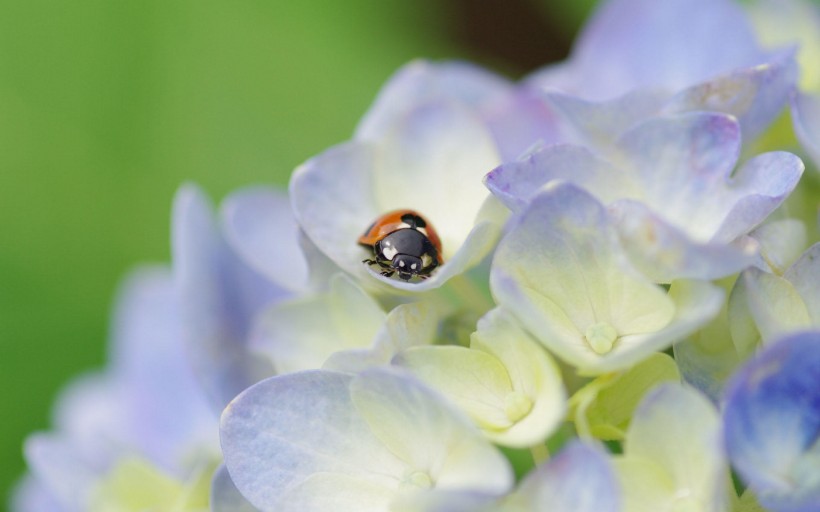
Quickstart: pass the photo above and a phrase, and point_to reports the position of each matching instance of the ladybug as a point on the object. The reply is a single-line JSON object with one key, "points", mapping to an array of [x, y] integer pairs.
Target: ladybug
{"points": [[403, 242]]}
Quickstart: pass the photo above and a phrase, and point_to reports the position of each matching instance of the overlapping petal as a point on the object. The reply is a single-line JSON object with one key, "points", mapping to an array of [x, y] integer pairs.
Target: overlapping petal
{"points": [[669, 181], [771, 420], [637, 43], [505, 382], [673, 457], [359, 440], [562, 273], [219, 295], [290, 336], [431, 160], [775, 304]]}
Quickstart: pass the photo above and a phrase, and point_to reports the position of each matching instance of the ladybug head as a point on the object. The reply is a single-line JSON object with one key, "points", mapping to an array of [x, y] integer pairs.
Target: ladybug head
{"points": [[407, 265]]}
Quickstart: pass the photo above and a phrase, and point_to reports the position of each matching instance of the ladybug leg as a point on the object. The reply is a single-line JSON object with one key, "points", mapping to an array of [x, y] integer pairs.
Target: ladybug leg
{"points": [[388, 273], [369, 261]]}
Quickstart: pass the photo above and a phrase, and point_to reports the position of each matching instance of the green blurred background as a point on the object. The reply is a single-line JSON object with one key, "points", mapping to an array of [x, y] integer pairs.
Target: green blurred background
{"points": [[107, 106]]}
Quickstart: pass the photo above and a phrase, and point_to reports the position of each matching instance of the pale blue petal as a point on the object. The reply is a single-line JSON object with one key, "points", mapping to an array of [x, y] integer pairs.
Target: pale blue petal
{"points": [[218, 297], [579, 479], [665, 253], [635, 43], [771, 421], [521, 120], [756, 190], [598, 124], [29, 495], [806, 115], [162, 410], [516, 183], [225, 497], [259, 227], [422, 429], [281, 431], [683, 162], [755, 95], [63, 469]]}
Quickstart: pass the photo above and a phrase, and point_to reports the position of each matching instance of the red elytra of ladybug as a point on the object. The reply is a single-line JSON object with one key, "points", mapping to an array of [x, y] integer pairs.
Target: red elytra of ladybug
{"points": [[403, 241]]}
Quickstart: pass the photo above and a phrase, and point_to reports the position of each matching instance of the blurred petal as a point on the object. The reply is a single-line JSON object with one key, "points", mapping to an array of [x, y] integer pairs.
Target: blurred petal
{"points": [[260, 228], [163, 411], [634, 43], [678, 430], [225, 497], [604, 407], [407, 325], [781, 243], [63, 469], [218, 296], [806, 115], [805, 275], [290, 336], [579, 479], [421, 81], [29, 495], [774, 303], [771, 420], [708, 357]]}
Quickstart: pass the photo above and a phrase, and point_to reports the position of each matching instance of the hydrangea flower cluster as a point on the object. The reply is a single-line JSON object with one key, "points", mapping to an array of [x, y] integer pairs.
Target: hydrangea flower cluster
{"points": [[627, 314]]}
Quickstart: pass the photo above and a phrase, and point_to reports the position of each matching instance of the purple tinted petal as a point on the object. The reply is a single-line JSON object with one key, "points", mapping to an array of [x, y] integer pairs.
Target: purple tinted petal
{"points": [[218, 297], [758, 187], [665, 253], [599, 124], [281, 431], [682, 161], [260, 228], [672, 44], [29, 495], [772, 417], [162, 407], [806, 114], [519, 121], [754, 95], [516, 183], [579, 479]]}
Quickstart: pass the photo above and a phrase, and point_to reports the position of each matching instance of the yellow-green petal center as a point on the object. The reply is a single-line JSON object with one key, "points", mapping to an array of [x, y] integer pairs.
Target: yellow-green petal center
{"points": [[516, 405], [601, 337], [416, 480]]}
